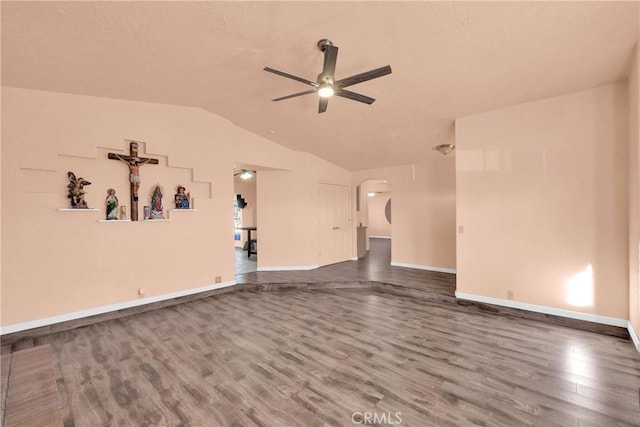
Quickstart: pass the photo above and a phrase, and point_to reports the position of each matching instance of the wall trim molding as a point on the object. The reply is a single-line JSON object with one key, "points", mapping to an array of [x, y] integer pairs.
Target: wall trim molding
{"points": [[380, 237], [18, 327], [290, 268], [596, 318], [424, 267], [634, 336]]}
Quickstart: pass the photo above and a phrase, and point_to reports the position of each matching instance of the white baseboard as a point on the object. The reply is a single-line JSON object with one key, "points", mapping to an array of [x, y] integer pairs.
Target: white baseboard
{"points": [[634, 336], [290, 268], [108, 308], [354, 258], [424, 267], [596, 318], [380, 237]]}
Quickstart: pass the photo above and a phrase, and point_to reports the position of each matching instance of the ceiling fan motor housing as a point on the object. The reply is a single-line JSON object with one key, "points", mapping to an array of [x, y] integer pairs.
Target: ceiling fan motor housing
{"points": [[323, 43]]}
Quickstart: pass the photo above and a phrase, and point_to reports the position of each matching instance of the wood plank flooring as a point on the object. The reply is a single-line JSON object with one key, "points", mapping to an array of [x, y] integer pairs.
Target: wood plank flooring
{"points": [[315, 357], [32, 395], [373, 268]]}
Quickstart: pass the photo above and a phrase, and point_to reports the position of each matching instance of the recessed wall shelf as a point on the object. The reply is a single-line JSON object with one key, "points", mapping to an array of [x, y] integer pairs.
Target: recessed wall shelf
{"points": [[182, 210], [114, 220], [156, 220], [79, 210]]}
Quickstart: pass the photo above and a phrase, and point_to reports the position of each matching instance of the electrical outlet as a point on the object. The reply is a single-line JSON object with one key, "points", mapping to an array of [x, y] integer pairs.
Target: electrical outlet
{"points": [[509, 294], [218, 279], [461, 229]]}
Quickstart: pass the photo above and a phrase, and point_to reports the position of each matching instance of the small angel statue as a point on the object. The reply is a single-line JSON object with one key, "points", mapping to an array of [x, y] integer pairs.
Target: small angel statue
{"points": [[76, 191]]}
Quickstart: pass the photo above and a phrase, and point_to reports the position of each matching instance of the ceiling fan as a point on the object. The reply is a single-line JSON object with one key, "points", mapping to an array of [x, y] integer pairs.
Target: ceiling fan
{"points": [[326, 84]]}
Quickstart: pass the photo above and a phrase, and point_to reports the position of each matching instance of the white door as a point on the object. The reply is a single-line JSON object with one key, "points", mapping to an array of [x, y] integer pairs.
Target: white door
{"points": [[334, 224]]}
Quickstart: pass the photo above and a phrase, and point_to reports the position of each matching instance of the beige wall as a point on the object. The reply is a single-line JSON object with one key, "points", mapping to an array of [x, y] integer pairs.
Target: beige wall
{"points": [[285, 224], [288, 220], [252, 149], [541, 196], [634, 193], [423, 217], [377, 224], [1, 219], [64, 262]]}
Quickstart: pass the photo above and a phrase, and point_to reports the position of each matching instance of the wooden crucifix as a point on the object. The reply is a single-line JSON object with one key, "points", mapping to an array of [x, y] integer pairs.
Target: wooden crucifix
{"points": [[134, 162]]}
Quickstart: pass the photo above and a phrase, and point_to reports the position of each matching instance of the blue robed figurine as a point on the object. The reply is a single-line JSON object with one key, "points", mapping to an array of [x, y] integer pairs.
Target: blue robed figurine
{"points": [[182, 198]]}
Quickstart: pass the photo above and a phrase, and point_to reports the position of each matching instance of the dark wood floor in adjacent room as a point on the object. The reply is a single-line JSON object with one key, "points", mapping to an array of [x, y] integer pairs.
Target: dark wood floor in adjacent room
{"points": [[319, 357]]}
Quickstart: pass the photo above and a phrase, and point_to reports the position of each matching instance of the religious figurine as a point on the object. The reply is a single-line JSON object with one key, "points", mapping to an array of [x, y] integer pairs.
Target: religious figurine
{"points": [[147, 212], [133, 161], [156, 203], [112, 204], [182, 199], [76, 191]]}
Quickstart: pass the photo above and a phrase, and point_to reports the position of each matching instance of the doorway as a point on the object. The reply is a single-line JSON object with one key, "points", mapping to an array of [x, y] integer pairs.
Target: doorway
{"points": [[245, 214], [374, 214]]}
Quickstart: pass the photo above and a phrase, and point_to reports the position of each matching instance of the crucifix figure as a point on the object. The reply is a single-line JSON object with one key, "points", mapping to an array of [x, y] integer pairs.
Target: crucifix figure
{"points": [[134, 162]]}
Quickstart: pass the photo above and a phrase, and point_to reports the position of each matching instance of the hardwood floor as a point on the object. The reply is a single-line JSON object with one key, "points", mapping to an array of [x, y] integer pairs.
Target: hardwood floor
{"points": [[340, 357], [32, 399], [375, 267], [313, 357], [245, 264]]}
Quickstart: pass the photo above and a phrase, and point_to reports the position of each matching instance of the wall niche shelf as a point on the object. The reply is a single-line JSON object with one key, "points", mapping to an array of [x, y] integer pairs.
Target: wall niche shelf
{"points": [[182, 210], [78, 210], [114, 220], [156, 220]]}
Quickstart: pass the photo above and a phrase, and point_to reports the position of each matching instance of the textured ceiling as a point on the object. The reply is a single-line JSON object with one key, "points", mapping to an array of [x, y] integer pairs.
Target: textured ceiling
{"points": [[449, 59]]}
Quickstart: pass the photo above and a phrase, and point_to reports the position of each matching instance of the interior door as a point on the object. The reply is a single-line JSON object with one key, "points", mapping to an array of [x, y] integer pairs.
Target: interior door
{"points": [[334, 224]]}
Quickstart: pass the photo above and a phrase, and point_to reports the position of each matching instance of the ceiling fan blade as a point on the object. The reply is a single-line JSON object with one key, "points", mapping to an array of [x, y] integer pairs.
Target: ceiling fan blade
{"points": [[306, 92], [355, 96], [290, 76], [322, 107], [329, 67], [363, 77]]}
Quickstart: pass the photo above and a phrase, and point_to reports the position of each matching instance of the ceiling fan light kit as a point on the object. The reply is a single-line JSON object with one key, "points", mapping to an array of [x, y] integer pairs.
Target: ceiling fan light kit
{"points": [[326, 90], [445, 149], [245, 174], [326, 85]]}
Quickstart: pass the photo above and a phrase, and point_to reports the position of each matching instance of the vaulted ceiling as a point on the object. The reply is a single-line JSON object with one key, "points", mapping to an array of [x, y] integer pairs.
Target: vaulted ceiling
{"points": [[449, 60]]}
